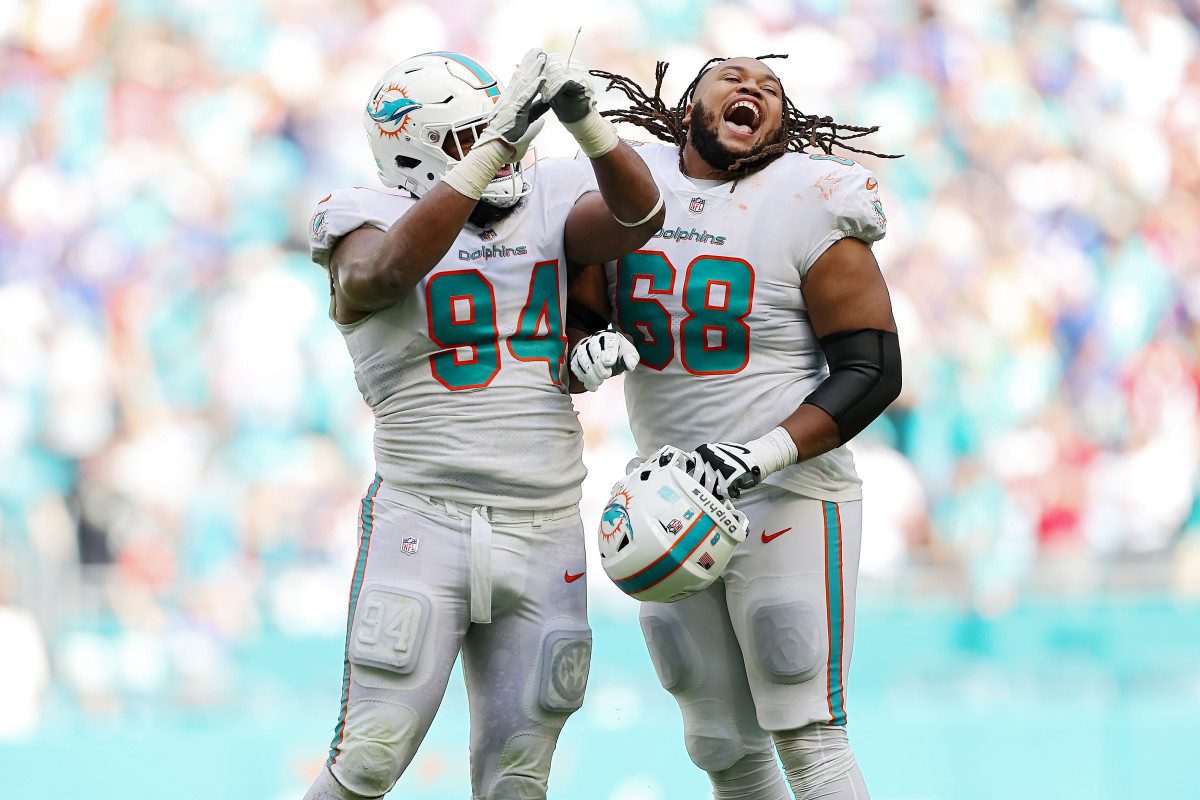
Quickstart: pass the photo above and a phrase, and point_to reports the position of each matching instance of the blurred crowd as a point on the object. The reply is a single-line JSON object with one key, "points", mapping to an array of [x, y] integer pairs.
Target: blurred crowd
{"points": [[182, 447]]}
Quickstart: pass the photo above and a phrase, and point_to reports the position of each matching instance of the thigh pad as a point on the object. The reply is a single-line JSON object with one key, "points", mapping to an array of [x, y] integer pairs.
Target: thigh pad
{"points": [[389, 627], [788, 645], [566, 659]]}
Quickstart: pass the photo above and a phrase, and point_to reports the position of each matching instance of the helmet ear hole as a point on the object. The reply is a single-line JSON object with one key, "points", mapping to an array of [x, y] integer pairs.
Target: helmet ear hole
{"points": [[407, 162]]}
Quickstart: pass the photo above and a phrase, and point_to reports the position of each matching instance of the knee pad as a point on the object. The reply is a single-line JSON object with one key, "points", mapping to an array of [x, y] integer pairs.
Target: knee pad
{"points": [[814, 756], [388, 630], [755, 776], [524, 768], [710, 735], [565, 662], [326, 787], [378, 741], [672, 651], [788, 646]]}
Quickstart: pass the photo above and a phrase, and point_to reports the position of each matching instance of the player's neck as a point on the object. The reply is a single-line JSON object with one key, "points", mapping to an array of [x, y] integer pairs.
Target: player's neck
{"points": [[694, 166]]}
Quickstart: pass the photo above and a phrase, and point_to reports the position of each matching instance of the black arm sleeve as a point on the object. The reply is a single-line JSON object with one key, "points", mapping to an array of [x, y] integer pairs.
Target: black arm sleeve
{"points": [[582, 318], [864, 378]]}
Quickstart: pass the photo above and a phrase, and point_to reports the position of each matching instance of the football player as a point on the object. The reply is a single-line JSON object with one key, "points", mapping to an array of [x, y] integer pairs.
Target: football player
{"points": [[766, 341], [449, 287]]}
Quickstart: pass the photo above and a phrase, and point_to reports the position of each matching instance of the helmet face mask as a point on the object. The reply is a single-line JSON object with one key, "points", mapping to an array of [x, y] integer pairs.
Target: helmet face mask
{"points": [[421, 104], [664, 537]]}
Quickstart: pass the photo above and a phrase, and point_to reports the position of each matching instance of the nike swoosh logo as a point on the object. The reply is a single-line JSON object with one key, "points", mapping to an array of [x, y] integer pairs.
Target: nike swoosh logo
{"points": [[569, 578], [766, 538], [871, 184]]}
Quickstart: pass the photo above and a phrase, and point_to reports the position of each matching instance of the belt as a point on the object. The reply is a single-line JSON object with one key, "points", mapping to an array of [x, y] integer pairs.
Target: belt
{"points": [[482, 518]]}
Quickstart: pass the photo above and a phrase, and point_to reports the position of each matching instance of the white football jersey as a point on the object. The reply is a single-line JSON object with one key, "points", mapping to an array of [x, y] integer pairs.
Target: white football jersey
{"points": [[466, 377], [713, 304]]}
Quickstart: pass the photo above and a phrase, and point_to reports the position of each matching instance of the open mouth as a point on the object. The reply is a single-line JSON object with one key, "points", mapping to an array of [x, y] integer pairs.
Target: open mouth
{"points": [[742, 118], [503, 172]]}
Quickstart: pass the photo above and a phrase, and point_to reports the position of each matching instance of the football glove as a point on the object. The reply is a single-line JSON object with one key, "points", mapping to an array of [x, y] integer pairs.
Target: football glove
{"points": [[727, 469], [602, 355], [568, 90], [515, 123]]}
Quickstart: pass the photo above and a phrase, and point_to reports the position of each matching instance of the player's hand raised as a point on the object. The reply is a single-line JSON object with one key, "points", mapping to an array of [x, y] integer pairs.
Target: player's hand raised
{"points": [[516, 122]]}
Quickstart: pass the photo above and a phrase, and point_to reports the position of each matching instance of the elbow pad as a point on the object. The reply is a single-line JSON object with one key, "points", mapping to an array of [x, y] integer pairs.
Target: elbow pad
{"points": [[864, 378]]}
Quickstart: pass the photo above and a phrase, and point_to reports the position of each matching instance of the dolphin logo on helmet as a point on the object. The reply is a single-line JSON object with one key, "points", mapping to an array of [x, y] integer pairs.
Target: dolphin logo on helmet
{"points": [[420, 105], [391, 115], [679, 537]]}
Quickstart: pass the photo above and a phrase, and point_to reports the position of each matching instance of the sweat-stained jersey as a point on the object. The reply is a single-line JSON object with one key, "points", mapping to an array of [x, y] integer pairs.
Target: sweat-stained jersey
{"points": [[466, 376], [713, 305]]}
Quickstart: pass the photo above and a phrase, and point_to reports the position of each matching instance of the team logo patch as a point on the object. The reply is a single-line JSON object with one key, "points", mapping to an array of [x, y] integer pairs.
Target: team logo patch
{"points": [[318, 224], [615, 523], [389, 109], [569, 669], [410, 545], [696, 205], [879, 212]]}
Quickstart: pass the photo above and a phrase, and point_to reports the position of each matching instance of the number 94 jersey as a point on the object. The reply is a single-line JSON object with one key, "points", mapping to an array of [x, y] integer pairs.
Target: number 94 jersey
{"points": [[465, 376], [713, 304]]}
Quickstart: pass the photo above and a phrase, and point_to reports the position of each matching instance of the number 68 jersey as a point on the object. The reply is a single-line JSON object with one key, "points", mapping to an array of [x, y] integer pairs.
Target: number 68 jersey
{"points": [[714, 306], [466, 376]]}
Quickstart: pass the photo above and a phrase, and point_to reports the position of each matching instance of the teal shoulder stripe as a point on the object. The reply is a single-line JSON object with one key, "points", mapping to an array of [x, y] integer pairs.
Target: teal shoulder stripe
{"points": [[833, 584], [485, 77], [366, 519], [671, 560]]}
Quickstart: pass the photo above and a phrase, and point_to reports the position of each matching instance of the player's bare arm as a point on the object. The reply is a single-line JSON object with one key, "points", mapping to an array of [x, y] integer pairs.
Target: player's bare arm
{"points": [[374, 269], [844, 291], [588, 310], [595, 231], [628, 209]]}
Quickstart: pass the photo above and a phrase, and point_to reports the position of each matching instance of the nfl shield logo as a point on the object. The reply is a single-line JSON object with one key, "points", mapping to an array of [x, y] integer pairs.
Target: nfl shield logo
{"points": [[410, 545], [697, 205], [488, 235]]}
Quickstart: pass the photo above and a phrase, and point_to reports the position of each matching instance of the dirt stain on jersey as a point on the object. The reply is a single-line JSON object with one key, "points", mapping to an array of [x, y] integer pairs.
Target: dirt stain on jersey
{"points": [[742, 206], [827, 185]]}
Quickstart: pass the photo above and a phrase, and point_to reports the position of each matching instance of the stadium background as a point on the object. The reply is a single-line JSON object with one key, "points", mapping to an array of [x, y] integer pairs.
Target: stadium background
{"points": [[182, 447]]}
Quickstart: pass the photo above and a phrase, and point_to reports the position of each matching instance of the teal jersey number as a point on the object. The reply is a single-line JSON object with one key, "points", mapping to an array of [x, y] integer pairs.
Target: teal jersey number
{"points": [[462, 314], [539, 334], [717, 296], [645, 319], [461, 308]]}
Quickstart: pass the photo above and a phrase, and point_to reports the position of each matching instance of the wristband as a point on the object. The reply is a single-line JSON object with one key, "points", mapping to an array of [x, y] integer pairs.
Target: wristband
{"points": [[773, 451], [595, 135], [471, 176]]}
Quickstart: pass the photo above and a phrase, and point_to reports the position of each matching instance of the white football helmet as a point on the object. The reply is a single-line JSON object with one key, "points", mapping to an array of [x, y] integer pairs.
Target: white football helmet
{"points": [[663, 536], [416, 106]]}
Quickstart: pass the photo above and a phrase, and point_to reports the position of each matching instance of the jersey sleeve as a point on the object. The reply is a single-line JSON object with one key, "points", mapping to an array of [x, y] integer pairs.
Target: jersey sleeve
{"points": [[335, 216], [849, 194]]}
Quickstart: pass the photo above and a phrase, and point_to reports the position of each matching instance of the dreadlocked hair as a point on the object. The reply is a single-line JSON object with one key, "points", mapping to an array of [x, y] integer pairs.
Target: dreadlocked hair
{"points": [[801, 132]]}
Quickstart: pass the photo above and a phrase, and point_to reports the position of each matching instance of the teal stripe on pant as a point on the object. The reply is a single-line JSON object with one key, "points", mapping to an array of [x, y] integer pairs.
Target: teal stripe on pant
{"points": [[366, 517], [835, 605]]}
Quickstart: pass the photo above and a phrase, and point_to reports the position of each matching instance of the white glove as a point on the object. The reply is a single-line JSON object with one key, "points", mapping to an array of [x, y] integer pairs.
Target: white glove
{"points": [[602, 355], [514, 123], [569, 92], [727, 469]]}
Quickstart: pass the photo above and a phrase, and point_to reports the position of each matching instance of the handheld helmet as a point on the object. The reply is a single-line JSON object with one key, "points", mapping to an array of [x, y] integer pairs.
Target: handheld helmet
{"points": [[663, 536], [421, 103]]}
